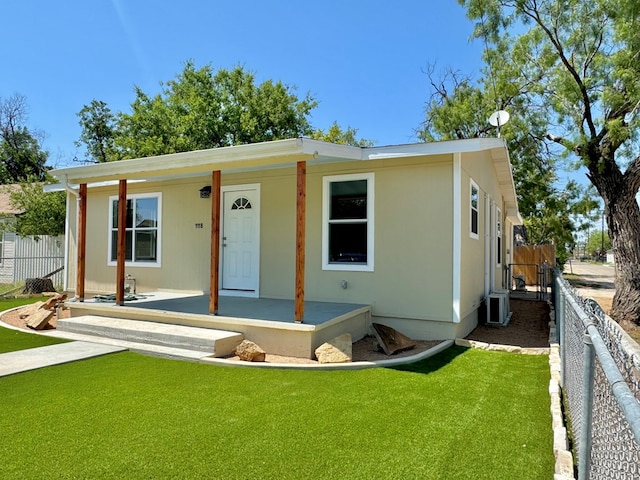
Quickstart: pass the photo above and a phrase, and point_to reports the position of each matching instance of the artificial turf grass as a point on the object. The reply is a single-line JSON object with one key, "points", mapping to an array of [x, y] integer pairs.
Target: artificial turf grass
{"points": [[13, 340], [461, 414]]}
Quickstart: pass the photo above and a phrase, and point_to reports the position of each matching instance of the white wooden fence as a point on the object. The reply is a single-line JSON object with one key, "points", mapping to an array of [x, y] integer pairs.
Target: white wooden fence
{"points": [[31, 257]]}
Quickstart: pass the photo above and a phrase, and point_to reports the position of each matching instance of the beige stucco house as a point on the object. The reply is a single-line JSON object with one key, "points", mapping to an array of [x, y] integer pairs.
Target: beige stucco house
{"points": [[418, 233]]}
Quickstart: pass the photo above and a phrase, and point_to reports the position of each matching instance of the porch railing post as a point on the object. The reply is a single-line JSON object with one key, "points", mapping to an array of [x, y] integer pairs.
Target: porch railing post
{"points": [[300, 239], [122, 241], [215, 243], [82, 241]]}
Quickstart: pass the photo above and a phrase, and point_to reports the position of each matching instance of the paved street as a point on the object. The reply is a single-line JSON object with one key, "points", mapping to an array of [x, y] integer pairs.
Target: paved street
{"points": [[599, 275], [598, 279]]}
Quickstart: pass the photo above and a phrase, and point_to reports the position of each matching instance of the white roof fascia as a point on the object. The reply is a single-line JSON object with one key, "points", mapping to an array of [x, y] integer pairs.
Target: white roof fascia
{"points": [[280, 154], [433, 148], [254, 156], [502, 163], [320, 149]]}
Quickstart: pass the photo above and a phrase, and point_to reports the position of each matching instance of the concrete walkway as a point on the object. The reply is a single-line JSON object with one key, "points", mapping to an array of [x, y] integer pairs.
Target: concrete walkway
{"points": [[33, 358]]}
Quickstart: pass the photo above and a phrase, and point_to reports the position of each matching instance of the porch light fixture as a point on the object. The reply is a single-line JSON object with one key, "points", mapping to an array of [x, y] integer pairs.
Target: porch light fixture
{"points": [[205, 192]]}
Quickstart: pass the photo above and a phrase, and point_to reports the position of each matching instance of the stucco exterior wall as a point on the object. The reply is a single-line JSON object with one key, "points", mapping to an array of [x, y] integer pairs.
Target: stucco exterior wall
{"points": [[412, 277], [413, 241], [479, 167]]}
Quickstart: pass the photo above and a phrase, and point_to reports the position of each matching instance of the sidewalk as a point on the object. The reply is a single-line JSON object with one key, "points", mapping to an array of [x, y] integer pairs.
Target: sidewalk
{"points": [[33, 358]]}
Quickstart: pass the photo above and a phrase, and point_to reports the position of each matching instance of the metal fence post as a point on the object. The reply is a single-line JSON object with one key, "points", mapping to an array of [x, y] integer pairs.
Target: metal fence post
{"points": [[584, 452], [560, 313]]}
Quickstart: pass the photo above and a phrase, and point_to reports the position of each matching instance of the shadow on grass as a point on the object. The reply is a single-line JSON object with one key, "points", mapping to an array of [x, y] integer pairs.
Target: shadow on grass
{"points": [[434, 363]]}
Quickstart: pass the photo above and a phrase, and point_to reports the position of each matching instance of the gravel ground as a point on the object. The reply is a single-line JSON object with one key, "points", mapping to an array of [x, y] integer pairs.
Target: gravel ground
{"points": [[528, 327]]}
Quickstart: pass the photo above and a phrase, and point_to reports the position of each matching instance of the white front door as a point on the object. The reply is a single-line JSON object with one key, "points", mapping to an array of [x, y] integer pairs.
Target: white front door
{"points": [[241, 239]]}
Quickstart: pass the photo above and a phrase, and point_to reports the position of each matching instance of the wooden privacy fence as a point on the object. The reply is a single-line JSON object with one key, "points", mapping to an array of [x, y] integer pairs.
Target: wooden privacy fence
{"points": [[529, 259]]}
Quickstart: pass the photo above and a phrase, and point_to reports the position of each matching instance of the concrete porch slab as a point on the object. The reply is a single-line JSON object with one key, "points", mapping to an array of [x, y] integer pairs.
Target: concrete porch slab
{"points": [[267, 322]]}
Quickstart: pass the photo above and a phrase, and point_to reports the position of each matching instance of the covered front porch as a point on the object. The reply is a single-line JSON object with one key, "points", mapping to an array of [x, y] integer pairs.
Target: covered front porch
{"points": [[268, 322]]}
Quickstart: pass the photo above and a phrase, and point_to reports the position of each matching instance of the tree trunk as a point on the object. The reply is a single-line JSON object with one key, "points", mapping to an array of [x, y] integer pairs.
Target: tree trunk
{"points": [[623, 219]]}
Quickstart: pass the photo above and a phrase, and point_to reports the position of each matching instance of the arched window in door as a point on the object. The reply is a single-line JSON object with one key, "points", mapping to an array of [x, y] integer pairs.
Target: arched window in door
{"points": [[242, 203]]}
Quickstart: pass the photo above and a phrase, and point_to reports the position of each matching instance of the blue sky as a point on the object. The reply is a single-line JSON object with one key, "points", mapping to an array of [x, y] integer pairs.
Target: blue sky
{"points": [[363, 61]]}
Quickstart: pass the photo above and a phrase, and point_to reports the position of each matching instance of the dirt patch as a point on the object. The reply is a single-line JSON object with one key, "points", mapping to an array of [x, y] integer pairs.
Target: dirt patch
{"points": [[529, 326]]}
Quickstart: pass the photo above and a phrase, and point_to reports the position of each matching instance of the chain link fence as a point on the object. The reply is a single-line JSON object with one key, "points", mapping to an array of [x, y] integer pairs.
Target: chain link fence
{"points": [[601, 387], [30, 264]]}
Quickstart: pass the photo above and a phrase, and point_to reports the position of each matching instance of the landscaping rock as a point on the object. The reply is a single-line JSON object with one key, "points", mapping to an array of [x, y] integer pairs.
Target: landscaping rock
{"points": [[250, 352], [391, 340], [40, 319], [29, 310], [54, 301], [338, 350]]}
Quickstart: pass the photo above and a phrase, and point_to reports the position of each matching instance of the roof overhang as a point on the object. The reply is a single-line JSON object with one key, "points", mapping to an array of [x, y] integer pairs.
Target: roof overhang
{"points": [[504, 173], [282, 154], [255, 156]]}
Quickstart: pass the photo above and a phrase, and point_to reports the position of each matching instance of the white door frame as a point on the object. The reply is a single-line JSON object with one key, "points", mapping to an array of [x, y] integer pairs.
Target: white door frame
{"points": [[235, 188]]}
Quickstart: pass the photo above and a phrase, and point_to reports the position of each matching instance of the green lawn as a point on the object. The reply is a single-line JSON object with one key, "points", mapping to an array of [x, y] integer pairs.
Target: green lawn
{"points": [[464, 414], [12, 340]]}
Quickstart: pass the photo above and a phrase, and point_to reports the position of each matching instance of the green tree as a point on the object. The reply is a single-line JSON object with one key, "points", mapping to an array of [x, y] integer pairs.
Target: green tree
{"points": [[44, 213], [98, 132], [21, 154], [199, 109], [459, 108], [336, 134], [595, 242], [579, 65]]}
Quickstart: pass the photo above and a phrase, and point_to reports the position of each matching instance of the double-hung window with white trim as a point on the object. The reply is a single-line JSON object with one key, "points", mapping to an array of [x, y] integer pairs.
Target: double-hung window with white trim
{"points": [[347, 222], [143, 227]]}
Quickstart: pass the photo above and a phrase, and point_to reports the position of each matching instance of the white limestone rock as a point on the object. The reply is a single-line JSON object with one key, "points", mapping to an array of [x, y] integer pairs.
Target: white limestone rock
{"points": [[250, 352], [338, 350]]}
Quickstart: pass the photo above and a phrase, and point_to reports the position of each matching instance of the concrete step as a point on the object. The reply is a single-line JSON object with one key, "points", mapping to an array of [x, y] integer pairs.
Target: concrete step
{"points": [[211, 342], [144, 348]]}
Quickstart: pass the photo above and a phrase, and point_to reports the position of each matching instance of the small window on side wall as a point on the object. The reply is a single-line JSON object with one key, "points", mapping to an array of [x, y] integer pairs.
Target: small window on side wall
{"points": [[474, 204], [347, 227], [498, 237]]}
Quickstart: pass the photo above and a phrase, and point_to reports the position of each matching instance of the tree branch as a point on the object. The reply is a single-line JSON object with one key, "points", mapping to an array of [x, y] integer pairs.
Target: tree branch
{"points": [[532, 11], [559, 140]]}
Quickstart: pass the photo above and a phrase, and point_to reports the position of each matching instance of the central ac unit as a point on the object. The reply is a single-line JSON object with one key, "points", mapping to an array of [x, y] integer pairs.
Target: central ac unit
{"points": [[498, 308]]}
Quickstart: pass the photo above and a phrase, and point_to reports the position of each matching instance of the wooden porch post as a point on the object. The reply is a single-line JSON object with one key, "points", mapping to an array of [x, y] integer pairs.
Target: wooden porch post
{"points": [[122, 241], [215, 242], [300, 240], [82, 241]]}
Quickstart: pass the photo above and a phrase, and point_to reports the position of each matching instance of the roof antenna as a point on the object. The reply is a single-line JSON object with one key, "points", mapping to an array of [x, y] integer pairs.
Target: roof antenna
{"points": [[499, 118]]}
